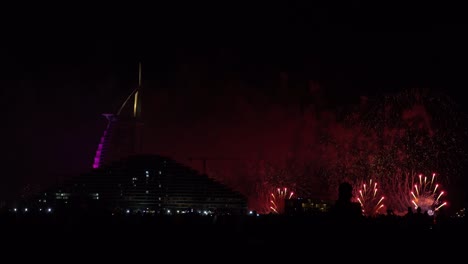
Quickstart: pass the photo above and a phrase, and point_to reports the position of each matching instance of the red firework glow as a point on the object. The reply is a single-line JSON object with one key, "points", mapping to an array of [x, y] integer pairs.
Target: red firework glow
{"points": [[253, 143], [370, 202], [427, 195], [277, 199]]}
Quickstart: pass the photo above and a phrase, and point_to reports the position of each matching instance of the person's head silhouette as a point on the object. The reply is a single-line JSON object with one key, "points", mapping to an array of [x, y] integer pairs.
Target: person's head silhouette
{"points": [[345, 192], [345, 209]]}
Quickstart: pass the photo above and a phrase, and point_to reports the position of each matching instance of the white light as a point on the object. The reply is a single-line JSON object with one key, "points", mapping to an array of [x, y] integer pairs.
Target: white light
{"points": [[49, 209], [14, 209], [40, 209], [177, 211], [168, 211], [160, 172], [205, 212], [25, 209], [250, 212], [128, 211]]}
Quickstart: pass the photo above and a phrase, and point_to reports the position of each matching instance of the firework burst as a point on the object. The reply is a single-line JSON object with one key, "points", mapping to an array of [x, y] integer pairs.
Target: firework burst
{"points": [[394, 136], [427, 194], [370, 201], [278, 198]]}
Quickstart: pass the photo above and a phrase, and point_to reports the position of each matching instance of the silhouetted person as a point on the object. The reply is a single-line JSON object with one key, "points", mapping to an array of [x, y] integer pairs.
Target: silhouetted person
{"points": [[421, 220], [344, 209], [409, 217], [409, 213]]}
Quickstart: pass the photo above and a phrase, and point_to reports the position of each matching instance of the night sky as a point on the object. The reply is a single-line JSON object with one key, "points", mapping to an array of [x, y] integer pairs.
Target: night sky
{"points": [[60, 72]]}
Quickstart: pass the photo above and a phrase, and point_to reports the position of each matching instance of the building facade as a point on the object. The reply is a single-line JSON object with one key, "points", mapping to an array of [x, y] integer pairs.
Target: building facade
{"points": [[144, 184]]}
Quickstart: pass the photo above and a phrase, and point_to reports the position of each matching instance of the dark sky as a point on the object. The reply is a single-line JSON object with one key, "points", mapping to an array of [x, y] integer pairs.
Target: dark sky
{"points": [[61, 70]]}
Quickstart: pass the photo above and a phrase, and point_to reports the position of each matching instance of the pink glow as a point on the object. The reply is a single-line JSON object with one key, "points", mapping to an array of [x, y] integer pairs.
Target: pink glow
{"points": [[104, 139]]}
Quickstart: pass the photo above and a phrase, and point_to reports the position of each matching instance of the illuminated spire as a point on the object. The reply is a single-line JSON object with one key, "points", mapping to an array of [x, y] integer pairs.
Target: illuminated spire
{"points": [[139, 74], [137, 100], [136, 94]]}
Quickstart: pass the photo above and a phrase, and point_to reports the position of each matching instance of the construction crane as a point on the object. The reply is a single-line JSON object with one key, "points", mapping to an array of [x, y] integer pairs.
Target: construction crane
{"points": [[205, 159]]}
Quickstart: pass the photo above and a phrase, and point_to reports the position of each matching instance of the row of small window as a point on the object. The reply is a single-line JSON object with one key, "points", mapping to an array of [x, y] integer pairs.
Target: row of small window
{"points": [[147, 174], [159, 185]]}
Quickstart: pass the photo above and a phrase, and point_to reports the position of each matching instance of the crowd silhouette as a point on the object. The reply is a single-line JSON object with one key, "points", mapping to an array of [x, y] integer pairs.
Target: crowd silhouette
{"points": [[344, 223]]}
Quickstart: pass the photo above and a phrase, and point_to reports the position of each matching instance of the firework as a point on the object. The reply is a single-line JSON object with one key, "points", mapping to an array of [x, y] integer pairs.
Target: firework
{"points": [[394, 136], [427, 194], [391, 137], [370, 201], [277, 199]]}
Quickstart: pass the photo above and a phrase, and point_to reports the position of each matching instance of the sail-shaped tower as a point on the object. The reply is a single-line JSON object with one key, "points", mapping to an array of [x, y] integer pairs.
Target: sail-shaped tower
{"points": [[123, 135]]}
